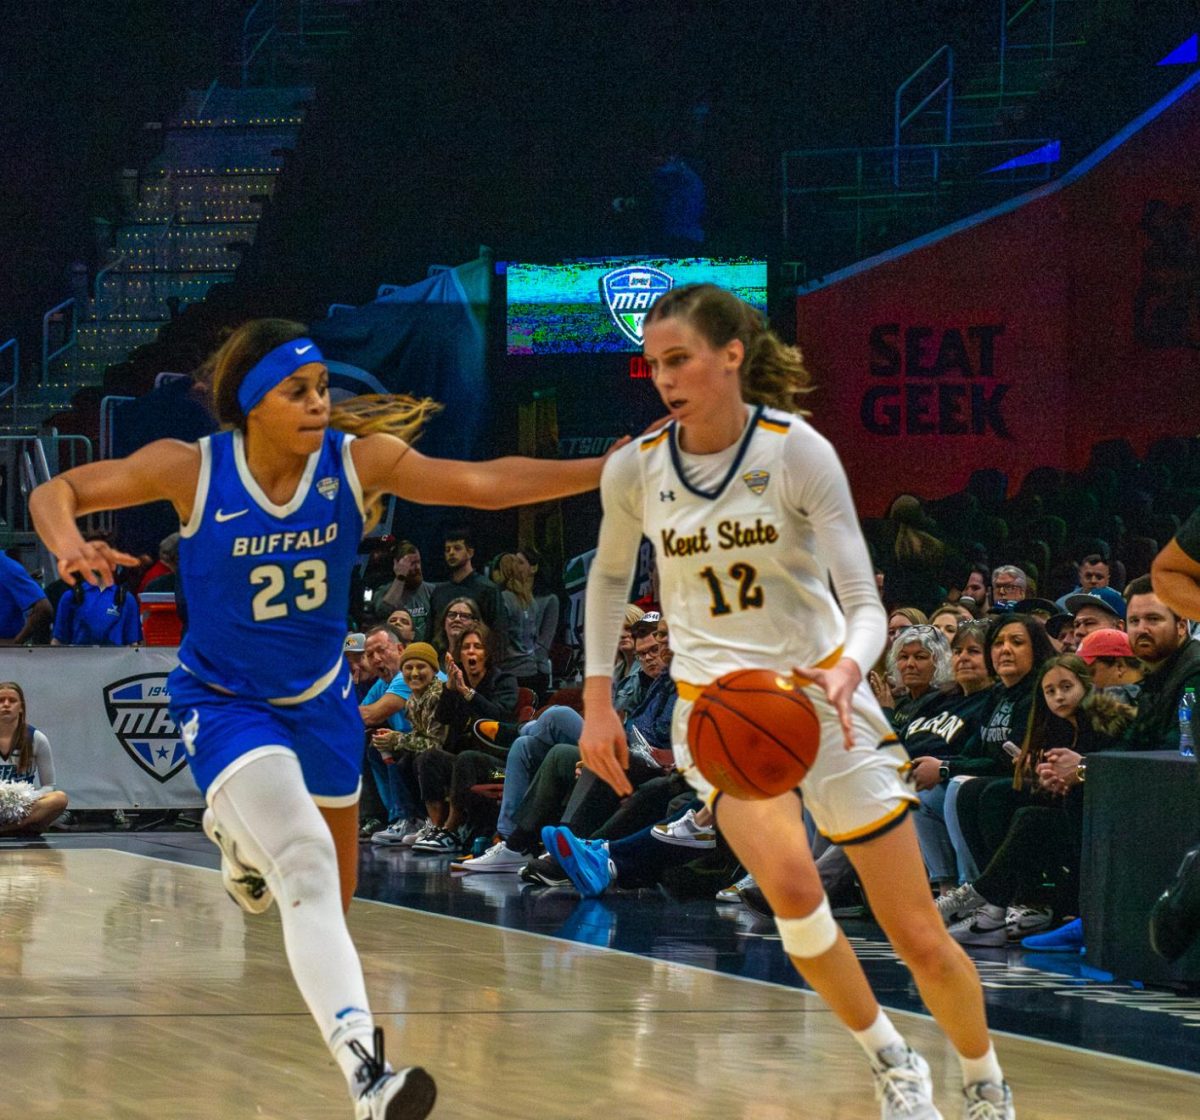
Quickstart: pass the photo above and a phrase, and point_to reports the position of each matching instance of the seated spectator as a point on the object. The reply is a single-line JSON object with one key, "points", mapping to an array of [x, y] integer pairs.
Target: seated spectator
{"points": [[465, 581], [1009, 586], [476, 689], [1061, 630], [978, 589], [401, 621], [1014, 647], [385, 705], [1093, 573], [89, 615], [407, 590], [938, 735], [1160, 638], [543, 769], [25, 612], [1095, 610], [354, 648], [452, 620], [1114, 669], [160, 576], [628, 682], [1036, 833], [919, 660], [899, 618], [25, 759], [530, 625], [399, 749], [949, 617]]}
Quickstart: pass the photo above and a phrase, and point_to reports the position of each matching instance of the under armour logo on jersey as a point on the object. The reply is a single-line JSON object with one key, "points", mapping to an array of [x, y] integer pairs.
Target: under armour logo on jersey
{"points": [[666, 495], [757, 480], [328, 487], [189, 729]]}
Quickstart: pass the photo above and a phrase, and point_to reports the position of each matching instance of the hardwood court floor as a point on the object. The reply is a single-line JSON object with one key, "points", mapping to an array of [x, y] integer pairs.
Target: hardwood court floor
{"points": [[131, 989]]}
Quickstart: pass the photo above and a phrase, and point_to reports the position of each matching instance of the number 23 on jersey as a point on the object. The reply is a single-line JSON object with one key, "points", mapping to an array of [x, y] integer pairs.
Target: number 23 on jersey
{"points": [[273, 600]]}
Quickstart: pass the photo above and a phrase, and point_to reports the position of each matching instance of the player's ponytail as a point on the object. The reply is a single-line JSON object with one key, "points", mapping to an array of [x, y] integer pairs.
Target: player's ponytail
{"points": [[773, 373], [398, 415]]}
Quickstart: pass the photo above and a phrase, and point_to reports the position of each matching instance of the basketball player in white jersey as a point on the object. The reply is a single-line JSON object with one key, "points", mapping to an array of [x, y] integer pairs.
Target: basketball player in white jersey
{"points": [[750, 514]]}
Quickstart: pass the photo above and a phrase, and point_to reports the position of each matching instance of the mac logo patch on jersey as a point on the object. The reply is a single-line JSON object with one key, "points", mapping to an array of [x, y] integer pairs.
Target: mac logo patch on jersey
{"points": [[757, 480], [630, 292], [328, 487], [137, 713]]}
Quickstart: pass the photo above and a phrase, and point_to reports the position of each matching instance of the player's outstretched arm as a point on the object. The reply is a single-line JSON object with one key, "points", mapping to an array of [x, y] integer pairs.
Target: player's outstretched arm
{"points": [[164, 470], [602, 744], [387, 464]]}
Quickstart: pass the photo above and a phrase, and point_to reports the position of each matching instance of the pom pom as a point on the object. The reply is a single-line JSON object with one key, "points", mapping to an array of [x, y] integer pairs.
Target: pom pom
{"points": [[16, 799]]}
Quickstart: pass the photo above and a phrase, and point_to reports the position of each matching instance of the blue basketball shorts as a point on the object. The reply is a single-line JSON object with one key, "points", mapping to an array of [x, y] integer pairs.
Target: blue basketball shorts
{"points": [[222, 733]]}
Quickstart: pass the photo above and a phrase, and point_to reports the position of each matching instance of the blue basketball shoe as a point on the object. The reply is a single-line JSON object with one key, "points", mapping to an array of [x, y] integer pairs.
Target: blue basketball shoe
{"points": [[586, 862]]}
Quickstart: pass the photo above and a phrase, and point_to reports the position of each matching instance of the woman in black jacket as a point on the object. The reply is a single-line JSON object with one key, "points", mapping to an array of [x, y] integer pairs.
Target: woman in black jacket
{"points": [[476, 688], [1038, 831]]}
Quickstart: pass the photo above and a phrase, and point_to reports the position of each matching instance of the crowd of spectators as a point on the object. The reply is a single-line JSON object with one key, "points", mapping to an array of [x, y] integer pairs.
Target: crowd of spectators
{"points": [[1005, 668]]}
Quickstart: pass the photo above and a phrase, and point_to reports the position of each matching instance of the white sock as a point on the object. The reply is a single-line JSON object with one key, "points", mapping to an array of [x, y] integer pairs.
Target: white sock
{"points": [[357, 1027], [879, 1036], [985, 1068]]}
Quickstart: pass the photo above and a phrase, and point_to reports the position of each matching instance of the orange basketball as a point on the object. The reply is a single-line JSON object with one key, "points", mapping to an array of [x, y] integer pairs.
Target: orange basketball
{"points": [[754, 733]]}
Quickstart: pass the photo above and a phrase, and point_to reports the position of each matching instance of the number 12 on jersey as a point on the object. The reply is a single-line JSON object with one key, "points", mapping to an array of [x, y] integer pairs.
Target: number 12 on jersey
{"points": [[749, 593]]}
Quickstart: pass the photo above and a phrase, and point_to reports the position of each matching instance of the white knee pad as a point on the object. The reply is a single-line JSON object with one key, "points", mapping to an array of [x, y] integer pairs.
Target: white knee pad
{"points": [[809, 936], [306, 870]]}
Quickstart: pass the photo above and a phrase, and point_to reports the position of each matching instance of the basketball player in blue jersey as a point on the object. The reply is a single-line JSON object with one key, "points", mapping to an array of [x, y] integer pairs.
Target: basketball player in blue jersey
{"points": [[272, 509], [750, 514]]}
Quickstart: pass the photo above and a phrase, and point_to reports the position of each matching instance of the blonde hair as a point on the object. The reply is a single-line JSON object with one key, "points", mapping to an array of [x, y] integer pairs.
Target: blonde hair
{"points": [[633, 614], [772, 372], [398, 415], [518, 583]]}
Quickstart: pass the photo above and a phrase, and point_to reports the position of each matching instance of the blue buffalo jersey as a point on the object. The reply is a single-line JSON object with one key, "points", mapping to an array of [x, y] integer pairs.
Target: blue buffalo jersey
{"points": [[268, 586]]}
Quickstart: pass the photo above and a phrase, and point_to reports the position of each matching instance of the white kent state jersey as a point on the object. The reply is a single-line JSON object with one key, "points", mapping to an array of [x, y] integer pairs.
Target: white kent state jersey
{"points": [[746, 540]]}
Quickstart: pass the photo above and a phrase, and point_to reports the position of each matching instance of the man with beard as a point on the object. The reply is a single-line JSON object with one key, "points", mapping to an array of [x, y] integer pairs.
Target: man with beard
{"points": [[459, 551], [1160, 638], [408, 590], [1175, 920]]}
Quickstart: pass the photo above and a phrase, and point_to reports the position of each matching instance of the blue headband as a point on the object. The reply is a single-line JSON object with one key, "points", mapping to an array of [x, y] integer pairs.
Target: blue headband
{"points": [[275, 367]]}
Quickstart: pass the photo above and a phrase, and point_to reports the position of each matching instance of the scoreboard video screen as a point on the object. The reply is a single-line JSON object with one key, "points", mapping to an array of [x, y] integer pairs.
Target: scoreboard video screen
{"points": [[597, 306]]}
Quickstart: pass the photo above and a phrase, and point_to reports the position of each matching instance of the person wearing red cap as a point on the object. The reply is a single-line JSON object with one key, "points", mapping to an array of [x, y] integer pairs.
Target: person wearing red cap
{"points": [[1115, 669]]}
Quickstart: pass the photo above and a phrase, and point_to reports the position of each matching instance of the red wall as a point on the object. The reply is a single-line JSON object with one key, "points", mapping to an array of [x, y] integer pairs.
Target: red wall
{"points": [[1092, 330]]}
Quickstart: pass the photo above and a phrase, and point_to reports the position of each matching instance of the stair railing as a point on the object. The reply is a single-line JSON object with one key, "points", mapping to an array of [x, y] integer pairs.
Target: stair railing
{"points": [[943, 56], [59, 314], [13, 348], [258, 29]]}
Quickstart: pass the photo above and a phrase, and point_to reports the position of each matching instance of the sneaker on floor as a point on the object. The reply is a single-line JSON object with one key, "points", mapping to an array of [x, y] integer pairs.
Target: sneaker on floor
{"points": [[959, 902], [756, 902], [402, 1094], [545, 872], [685, 832], [903, 1086], [986, 928], [1175, 917], [439, 841], [586, 862], [732, 893], [499, 857], [1065, 939], [985, 1100], [1022, 921], [423, 831], [244, 884], [394, 833], [493, 733], [368, 827]]}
